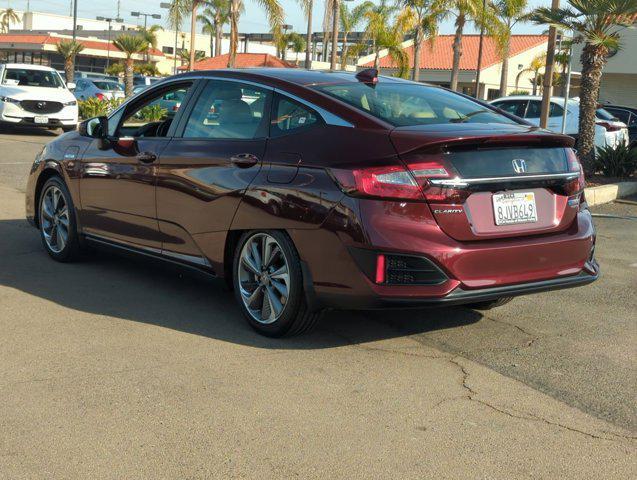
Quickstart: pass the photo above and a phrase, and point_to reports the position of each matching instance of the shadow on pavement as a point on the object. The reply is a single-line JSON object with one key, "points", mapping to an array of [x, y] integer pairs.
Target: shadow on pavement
{"points": [[32, 131], [149, 292]]}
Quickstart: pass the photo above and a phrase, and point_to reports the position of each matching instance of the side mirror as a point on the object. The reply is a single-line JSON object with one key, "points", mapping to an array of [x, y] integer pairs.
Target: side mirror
{"points": [[96, 127], [71, 85]]}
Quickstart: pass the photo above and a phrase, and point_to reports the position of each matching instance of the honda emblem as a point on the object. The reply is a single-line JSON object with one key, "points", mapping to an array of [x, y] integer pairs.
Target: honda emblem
{"points": [[519, 165]]}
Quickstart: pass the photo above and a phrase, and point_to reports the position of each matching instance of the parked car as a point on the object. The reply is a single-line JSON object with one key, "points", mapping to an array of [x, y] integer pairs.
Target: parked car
{"points": [[310, 190], [627, 115], [144, 80], [607, 132], [101, 89], [96, 76], [34, 95]]}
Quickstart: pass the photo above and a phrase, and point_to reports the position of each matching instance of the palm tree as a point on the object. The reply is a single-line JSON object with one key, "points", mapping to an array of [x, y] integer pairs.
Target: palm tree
{"points": [[214, 18], [537, 64], [177, 11], [596, 22], [184, 56], [273, 11], [149, 34], [307, 6], [69, 50], [130, 45], [509, 12], [296, 42], [7, 17], [468, 10], [377, 29], [389, 36], [350, 19], [427, 14]]}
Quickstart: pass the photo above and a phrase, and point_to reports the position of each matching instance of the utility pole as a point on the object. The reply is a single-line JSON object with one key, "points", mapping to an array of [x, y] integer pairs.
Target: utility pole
{"points": [[480, 49], [108, 45], [547, 89], [335, 14], [74, 19]]}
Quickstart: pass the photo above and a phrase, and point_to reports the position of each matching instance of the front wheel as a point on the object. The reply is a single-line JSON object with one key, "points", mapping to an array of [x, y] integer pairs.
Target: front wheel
{"points": [[268, 284], [57, 221]]}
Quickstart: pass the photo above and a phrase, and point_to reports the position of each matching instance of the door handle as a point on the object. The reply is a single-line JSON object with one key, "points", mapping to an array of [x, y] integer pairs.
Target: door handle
{"points": [[146, 157], [244, 160]]}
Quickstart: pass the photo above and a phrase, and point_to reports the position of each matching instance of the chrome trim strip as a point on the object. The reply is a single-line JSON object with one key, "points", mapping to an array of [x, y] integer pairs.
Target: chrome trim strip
{"points": [[463, 182], [328, 117]]}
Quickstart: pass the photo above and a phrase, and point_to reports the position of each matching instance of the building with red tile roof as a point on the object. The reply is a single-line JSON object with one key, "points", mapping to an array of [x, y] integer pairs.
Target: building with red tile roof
{"points": [[436, 62], [243, 60]]}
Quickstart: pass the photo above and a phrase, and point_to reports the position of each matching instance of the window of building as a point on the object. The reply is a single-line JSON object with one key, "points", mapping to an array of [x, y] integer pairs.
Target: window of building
{"points": [[168, 50]]}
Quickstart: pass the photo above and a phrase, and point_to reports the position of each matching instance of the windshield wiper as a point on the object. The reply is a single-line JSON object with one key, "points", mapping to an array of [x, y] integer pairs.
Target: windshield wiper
{"points": [[468, 116]]}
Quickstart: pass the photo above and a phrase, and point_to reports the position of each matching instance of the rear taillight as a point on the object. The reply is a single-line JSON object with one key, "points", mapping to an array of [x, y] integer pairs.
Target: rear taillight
{"points": [[99, 96], [429, 175], [609, 127], [575, 186], [392, 181]]}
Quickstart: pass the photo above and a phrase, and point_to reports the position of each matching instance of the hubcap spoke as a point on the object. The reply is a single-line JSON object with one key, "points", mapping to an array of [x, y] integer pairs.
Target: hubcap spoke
{"points": [[252, 299], [275, 303], [281, 287], [61, 236], [248, 262]]}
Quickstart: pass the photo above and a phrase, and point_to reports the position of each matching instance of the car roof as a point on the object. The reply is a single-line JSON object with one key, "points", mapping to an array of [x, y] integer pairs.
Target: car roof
{"points": [[606, 106], [532, 97], [29, 66], [298, 76]]}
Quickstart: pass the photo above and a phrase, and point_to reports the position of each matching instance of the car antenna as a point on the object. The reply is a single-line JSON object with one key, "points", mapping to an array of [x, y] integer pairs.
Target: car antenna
{"points": [[369, 75]]}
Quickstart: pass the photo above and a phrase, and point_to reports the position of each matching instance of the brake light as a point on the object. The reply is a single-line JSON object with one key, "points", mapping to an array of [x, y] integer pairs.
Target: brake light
{"points": [[575, 186], [426, 174], [392, 181], [609, 127], [100, 96]]}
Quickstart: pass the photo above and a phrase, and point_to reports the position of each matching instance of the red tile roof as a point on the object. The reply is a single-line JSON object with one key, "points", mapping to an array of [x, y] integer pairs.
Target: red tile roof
{"points": [[243, 60], [440, 57], [53, 40]]}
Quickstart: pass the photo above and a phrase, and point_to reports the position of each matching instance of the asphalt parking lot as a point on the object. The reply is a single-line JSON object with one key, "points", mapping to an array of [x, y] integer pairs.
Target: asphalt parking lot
{"points": [[116, 368]]}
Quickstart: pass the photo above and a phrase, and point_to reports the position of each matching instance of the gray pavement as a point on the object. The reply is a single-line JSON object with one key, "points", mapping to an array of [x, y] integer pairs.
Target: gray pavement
{"points": [[116, 368]]}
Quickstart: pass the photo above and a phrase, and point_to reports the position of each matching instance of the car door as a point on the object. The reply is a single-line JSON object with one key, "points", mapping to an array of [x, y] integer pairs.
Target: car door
{"points": [[205, 169], [117, 183]]}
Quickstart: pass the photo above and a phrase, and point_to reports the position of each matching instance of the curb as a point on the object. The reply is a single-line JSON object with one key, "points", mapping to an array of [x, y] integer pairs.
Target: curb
{"points": [[610, 192]]}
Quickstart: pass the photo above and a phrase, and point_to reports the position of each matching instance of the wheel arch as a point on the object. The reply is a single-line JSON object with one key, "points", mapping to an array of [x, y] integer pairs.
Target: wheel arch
{"points": [[52, 169]]}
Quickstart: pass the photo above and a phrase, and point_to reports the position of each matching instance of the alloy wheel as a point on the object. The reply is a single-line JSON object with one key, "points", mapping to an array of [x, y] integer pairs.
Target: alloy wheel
{"points": [[264, 279], [54, 219]]}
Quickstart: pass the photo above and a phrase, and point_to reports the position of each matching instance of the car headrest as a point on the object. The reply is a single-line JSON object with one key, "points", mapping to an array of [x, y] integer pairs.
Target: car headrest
{"points": [[234, 111]]}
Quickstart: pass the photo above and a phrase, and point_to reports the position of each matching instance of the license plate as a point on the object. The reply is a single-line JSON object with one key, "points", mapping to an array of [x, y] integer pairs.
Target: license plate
{"points": [[514, 207], [40, 119]]}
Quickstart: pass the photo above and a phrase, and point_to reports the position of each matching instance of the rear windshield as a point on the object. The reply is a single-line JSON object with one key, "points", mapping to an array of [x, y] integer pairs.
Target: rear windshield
{"points": [[108, 86], [404, 104], [604, 114], [32, 78]]}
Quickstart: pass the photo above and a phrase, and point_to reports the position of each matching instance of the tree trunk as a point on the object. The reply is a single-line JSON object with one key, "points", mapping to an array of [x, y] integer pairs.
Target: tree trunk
{"points": [[593, 59], [69, 69], [344, 50], [234, 32], [128, 73], [334, 52], [415, 73], [308, 46], [457, 50], [377, 60], [535, 82], [193, 27], [504, 75]]}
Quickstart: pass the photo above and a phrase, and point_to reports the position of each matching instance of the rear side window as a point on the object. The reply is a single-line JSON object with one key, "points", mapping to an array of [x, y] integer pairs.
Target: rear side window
{"points": [[289, 116], [229, 110], [534, 109], [514, 107], [407, 104], [623, 115], [556, 110]]}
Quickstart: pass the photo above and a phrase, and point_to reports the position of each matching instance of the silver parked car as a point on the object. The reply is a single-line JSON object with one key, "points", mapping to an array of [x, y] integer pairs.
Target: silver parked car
{"points": [[103, 89]]}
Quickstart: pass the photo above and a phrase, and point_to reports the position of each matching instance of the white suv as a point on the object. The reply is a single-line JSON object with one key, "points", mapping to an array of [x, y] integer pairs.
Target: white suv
{"points": [[33, 95], [608, 131]]}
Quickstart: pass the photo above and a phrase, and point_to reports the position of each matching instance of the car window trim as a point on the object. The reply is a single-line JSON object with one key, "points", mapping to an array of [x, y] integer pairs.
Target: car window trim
{"points": [[205, 81], [328, 117], [278, 95]]}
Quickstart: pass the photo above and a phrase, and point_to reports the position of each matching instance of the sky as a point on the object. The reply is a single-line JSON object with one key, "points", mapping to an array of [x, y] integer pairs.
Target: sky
{"points": [[252, 21]]}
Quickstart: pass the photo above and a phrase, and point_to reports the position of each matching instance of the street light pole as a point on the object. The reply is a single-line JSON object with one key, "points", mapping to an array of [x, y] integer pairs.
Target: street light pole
{"points": [[335, 14], [480, 49], [108, 45], [74, 19]]}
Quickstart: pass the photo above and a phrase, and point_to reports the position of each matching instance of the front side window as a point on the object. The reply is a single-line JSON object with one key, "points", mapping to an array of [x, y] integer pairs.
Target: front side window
{"points": [[556, 110], [32, 78], [404, 104], [229, 110], [514, 107], [534, 109], [154, 115], [290, 116]]}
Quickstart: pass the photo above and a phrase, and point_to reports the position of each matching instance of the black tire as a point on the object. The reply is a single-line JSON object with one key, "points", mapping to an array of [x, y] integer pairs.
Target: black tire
{"points": [[295, 317], [491, 304], [71, 249]]}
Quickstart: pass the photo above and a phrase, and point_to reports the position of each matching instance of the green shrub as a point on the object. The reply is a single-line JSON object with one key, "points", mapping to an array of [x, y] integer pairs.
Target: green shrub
{"points": [[620, 161], [152, 113], [94, 107]]}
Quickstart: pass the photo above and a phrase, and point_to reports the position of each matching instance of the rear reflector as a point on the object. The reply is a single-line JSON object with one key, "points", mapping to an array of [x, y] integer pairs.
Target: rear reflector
{"points": [[380, 268]]}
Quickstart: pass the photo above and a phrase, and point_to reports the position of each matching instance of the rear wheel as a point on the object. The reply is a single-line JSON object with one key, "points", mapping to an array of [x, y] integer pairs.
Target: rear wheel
{"points": [[491, 304], [56, 215], [268, 284]]}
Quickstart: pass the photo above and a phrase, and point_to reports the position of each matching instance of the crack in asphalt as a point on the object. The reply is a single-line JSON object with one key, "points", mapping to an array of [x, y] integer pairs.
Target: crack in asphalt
{"points": [[534, 338]]}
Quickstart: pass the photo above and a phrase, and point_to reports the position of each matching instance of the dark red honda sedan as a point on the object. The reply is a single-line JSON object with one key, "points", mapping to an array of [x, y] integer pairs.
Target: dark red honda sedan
{"points": [[312, 190]]}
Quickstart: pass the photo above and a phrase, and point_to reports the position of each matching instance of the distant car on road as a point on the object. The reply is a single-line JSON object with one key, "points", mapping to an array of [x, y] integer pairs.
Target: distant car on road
{"points": [[35, 95], [608, 132], [627, 115], [101, 89]]}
